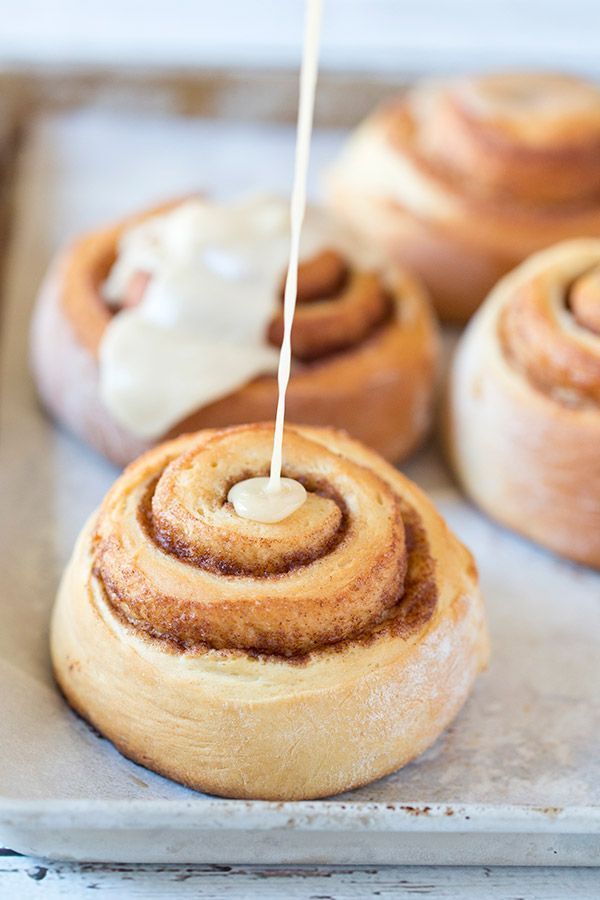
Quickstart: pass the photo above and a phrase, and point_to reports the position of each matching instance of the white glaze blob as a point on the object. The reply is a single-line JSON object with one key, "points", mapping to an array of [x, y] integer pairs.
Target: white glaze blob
{"points": [[254, 499], [198, 333]]}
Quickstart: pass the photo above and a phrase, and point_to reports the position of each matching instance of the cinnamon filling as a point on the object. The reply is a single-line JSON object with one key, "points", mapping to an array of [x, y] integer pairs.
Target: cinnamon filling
{"points": [[321, 277], [336, 308], [410, 611], [135, 290], [170, 541], [560, 361], [176, 562]]}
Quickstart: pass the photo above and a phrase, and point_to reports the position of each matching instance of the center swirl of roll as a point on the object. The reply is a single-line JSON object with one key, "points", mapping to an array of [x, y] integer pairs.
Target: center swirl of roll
{"points": [[550, 329], [337, 307], [175, 559]]}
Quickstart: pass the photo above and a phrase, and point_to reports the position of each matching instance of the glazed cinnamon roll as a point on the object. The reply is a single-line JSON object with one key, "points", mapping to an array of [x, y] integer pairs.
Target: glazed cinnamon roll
{"points": [[171, 322], [276, 661], [523, 414], [464, 178]]}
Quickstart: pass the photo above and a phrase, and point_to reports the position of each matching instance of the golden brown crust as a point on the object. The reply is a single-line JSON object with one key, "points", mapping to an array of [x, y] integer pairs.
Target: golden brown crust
{"points": [[244, 723], [523, 413], [462, 179], [540, 337], [377, 355]]}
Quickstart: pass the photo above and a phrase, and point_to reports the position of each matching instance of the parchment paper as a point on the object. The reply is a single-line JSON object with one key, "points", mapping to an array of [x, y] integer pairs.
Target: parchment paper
{"points": [[530, 732]]}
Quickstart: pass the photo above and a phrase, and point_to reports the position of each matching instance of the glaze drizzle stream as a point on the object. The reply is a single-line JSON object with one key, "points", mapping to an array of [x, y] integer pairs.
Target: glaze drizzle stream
{"points": [[275, 499]]}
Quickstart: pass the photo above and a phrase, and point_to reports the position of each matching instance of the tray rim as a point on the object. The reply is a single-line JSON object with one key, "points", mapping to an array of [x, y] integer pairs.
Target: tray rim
{"points": [[217, 815], [220, 814]]}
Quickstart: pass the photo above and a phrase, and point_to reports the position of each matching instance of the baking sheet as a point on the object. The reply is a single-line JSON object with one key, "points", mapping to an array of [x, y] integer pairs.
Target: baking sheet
{"points": [[522, 758]]}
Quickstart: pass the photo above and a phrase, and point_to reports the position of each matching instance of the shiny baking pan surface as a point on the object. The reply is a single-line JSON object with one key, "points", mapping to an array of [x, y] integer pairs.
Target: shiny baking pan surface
{"points": [[516, 779]]}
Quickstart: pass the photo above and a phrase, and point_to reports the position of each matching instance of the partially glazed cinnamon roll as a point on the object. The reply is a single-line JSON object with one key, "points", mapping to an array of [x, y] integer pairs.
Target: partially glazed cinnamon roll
{"points": [[523, 413], [276, 661], [171, 321], [464, 178]]}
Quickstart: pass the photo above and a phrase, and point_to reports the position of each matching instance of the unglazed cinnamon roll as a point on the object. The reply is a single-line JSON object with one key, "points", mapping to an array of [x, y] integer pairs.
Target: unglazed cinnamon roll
{"points": [[464, 178], [281, 661], [523, 414], [171, 322]]}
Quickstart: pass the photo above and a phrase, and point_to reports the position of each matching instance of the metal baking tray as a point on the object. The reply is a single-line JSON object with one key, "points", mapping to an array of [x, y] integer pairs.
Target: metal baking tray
{"points": [[515, 780]]}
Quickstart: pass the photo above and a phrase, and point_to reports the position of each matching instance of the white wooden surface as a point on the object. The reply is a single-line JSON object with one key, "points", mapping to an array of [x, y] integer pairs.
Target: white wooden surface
{"points": [[404, 36], [25, 879]]}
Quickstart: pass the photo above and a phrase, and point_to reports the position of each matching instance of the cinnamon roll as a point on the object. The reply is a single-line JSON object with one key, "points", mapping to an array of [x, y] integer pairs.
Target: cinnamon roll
{"points": [[282, 661], [462, 179], [523, 412], [171, 322]]}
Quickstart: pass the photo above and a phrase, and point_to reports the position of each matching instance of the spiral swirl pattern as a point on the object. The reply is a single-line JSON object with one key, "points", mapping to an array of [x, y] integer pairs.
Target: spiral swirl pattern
{"points": [[525, 138], [550, 331], [464, 178], [365, 350], [523, 411], [176, 561], [337, 307]]}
